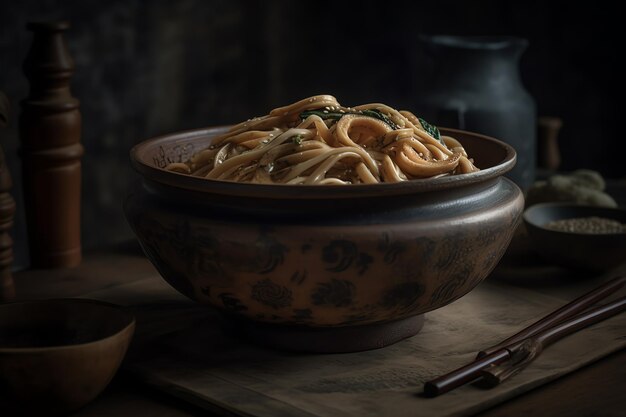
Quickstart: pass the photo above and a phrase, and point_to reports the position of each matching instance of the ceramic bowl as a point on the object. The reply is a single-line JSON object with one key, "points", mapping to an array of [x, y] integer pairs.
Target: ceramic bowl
{"points": [[57, 355], [322, 257], [595, 252]]}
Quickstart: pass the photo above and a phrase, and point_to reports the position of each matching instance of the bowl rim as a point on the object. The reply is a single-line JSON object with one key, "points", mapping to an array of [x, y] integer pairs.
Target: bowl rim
{"points": [[129, 327], [281, 191], [585, 208]]}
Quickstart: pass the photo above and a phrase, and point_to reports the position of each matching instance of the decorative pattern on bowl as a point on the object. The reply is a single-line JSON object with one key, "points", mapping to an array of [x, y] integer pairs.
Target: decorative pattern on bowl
{"points": [[323, 256]]}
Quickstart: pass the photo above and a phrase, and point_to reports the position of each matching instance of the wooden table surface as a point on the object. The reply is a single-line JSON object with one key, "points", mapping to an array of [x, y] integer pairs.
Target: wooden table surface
{"points": [[596, 390]]}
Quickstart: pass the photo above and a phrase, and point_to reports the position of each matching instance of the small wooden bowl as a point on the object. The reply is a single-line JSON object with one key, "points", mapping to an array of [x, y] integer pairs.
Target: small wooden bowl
{"points": [[596, 252], [57, 355]]}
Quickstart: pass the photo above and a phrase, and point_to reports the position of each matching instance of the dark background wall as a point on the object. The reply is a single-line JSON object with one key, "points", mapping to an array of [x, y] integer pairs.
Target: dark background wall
{"points": [[150, 67]]}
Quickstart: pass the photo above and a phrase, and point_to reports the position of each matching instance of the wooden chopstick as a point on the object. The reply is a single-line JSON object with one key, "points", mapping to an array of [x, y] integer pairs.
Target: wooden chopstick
{"points": [[524, 352], [464, 374], [563, 313], [544, 328]]}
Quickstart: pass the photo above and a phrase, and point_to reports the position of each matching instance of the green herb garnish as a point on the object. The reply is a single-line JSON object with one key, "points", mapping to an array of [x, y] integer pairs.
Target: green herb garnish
{"points": [[374, 113], [431, 130], [377, 114], [297, 139]]}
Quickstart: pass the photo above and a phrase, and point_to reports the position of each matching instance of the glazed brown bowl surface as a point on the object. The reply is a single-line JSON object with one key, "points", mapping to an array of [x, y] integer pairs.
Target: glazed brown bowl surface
{"points": [[323, 256], [57, 355]]}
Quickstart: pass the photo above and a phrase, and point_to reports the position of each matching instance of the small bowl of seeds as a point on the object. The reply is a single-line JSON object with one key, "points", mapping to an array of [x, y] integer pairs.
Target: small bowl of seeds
{"points": [[578, 236]]}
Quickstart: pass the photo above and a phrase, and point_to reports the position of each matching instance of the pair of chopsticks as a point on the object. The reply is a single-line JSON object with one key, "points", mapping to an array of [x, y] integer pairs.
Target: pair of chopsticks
{"points": [[500, 362]]}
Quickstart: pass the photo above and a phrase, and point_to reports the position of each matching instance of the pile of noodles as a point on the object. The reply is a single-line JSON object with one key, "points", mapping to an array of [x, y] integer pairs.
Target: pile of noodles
{"points": [[318, 141]]}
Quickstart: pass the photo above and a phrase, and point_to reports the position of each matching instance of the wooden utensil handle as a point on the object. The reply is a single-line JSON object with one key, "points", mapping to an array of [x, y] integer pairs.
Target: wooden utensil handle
{"points": [[7, 212], [561, 314]]}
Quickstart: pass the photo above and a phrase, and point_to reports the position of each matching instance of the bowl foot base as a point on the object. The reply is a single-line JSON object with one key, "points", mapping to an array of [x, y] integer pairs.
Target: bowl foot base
{"points": [[323, 340]]}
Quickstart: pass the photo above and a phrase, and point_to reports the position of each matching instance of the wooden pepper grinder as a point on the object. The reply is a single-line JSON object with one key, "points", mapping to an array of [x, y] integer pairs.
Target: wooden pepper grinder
{"points": [[50, 127], [549, 156], [7, 211]]}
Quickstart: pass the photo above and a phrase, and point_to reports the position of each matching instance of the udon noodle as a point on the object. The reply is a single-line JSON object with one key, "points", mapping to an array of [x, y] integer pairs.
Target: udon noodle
{"points": [[319, 141]]}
